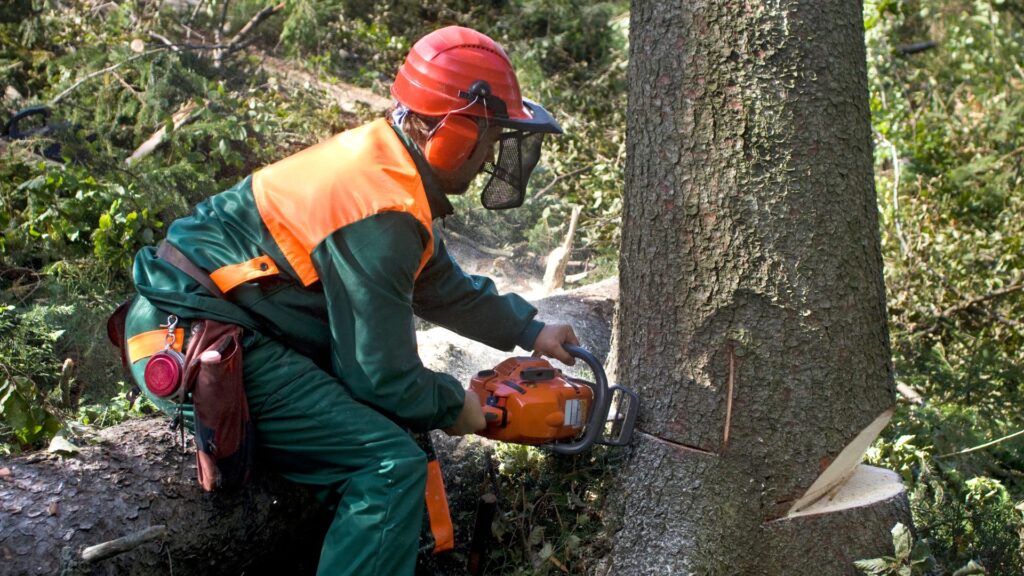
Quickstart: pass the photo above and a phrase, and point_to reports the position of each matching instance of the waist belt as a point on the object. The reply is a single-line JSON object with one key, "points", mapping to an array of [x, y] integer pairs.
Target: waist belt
{"points": [[167, 251]]}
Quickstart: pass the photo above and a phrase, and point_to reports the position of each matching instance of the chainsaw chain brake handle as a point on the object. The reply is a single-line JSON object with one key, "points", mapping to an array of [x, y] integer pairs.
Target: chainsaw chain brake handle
{"points": [[603, 394]]}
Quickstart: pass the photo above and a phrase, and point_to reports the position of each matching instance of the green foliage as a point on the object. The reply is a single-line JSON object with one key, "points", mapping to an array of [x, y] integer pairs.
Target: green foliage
{"points": [[549, 505], [70, 228], [963, 515], [952, 233], [30, 377], [950, 181], [123, 406], [910, 558], [26, 421]]}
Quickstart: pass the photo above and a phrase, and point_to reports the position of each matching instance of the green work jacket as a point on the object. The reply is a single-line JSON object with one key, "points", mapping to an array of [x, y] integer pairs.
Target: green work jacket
{"points": [[356, 320]]}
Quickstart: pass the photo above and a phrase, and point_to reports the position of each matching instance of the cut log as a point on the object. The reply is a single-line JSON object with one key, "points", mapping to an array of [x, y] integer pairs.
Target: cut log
{"points": [[134, 479]]}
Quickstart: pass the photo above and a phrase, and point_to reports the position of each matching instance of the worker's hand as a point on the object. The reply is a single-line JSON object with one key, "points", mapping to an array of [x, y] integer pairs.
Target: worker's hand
{"points": [[471, 419], [550, 340]]}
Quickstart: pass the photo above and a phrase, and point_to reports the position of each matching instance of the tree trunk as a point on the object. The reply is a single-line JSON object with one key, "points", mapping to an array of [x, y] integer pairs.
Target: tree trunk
{"points": [[752, 312]]}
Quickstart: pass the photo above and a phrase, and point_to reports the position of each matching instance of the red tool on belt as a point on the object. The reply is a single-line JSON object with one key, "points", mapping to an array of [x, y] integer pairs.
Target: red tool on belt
{"points": [[527, 401]]}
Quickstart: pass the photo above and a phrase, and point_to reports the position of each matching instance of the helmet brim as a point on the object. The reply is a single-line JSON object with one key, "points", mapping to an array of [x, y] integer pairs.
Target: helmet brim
{"points": [[539, 120]]}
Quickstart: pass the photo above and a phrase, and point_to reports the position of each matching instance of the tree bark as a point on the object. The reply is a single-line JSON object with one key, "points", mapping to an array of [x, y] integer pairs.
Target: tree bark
{"points": [[752, 314]]}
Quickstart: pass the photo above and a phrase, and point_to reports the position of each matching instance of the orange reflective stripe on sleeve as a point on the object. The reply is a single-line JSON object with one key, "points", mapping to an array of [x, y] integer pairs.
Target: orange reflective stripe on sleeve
{"points": [[308, 196], [146, 344], [227, 277], [437, 509]]}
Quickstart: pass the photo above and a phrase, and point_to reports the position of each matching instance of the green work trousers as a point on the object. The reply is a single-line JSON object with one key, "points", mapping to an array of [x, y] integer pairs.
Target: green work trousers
{"points": [[311, 431]]}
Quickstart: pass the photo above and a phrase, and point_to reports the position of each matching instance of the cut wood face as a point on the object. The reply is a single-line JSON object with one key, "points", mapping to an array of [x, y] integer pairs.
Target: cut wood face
{"points": [[865, 486], [838, 474]]}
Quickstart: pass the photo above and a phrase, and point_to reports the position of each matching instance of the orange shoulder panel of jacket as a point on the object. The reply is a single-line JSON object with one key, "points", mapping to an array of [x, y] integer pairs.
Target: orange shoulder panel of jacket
{"points": [[308, 196]]}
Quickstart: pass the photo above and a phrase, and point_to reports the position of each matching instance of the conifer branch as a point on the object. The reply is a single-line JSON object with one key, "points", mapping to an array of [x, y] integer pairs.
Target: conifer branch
{"points": [[92, 75]]}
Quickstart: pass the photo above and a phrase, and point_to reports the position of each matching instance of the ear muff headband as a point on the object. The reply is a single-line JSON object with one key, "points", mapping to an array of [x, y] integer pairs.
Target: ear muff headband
{"points": [[452, 142]]}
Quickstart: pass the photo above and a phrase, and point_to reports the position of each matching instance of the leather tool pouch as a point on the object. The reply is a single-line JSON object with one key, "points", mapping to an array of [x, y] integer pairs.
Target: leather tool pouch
{"points": [[224, 434]]}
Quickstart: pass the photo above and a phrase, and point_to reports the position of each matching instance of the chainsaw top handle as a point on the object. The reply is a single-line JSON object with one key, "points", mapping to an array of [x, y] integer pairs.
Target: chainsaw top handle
{"points": [[599, 412]]}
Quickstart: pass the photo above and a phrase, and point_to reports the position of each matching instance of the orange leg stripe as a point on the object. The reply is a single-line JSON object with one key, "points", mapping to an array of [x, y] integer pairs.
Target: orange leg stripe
{"points": [[437, 509], [227, 277], [146, 344]]}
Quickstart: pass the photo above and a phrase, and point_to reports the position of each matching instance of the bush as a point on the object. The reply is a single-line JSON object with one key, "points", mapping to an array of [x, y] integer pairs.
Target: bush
{"points": [[950, 181]]}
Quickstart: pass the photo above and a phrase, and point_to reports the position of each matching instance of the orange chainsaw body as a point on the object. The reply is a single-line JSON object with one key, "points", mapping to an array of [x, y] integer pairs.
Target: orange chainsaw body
{"points": [[527, 401]]}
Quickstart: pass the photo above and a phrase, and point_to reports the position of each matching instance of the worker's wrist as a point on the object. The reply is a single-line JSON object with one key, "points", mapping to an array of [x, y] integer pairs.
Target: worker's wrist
{"points": [[528, 337]]}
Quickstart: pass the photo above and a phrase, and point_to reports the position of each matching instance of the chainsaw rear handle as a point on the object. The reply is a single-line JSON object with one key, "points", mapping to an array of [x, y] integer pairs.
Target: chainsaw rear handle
{"points": [[599, 412]]}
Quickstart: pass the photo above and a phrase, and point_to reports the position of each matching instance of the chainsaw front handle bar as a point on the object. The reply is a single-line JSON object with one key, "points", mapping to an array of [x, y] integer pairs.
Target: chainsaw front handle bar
{"points": [[599, 413]]}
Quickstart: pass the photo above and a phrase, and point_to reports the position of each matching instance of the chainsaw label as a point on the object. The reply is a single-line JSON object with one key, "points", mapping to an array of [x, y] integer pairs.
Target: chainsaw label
{"points": [[573, 413]]}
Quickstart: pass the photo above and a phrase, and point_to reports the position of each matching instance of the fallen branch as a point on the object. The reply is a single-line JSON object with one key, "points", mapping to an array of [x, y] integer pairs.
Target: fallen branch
{"points": [[479, 247], [165, 40], [349, 97], [122, 545], [554, 275], [1009, 155], [184, 115], [985, 445], [16, 285], [917, 47], [195, 11], [129, 88], [236, 41], [559, 178], [909, 393], [574, 278], [970, 303]]}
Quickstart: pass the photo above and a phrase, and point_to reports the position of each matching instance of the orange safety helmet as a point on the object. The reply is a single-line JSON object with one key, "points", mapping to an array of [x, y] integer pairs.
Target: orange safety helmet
{"points": [[458, 73], [460, 69]]}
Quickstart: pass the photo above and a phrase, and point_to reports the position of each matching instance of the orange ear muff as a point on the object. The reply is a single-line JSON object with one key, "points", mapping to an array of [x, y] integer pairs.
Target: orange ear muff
{"points": [[452, 142]]}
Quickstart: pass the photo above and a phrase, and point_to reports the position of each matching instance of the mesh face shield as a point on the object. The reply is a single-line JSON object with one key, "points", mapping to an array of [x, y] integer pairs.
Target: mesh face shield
{"points": [[518, 154]]}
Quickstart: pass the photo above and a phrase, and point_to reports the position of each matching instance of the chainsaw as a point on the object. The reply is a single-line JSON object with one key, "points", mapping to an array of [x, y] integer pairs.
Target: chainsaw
{"points": [[526, 400]]}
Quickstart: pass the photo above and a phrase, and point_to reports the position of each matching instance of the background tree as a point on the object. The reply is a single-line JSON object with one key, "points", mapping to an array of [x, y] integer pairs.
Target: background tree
{"points": [[752, 314]]}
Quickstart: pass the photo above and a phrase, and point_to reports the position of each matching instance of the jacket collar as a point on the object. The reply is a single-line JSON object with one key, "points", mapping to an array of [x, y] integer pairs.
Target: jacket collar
{"points": [[440, 206]]}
